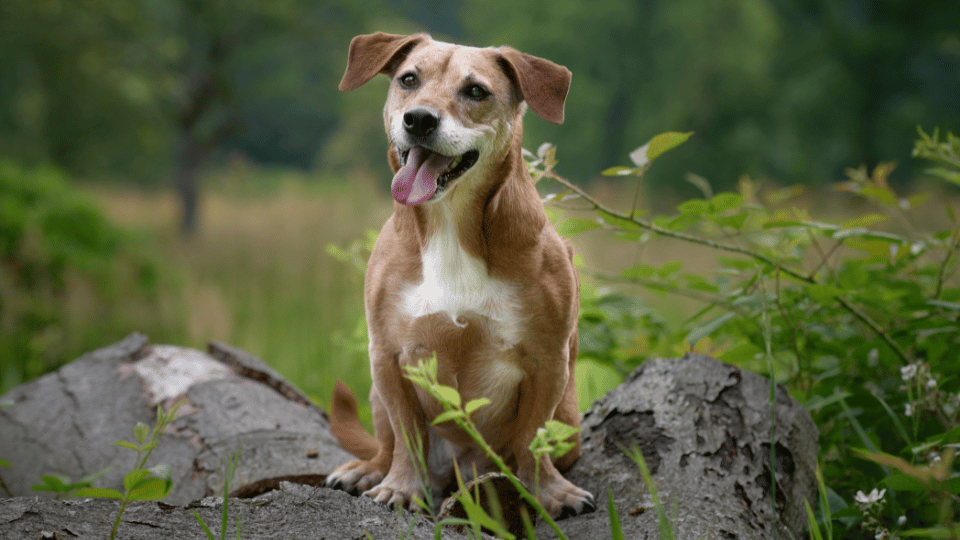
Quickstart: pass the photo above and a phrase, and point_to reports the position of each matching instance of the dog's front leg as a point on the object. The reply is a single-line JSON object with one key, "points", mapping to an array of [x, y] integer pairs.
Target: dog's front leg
{"points": [[542, 388], [406, 422]]}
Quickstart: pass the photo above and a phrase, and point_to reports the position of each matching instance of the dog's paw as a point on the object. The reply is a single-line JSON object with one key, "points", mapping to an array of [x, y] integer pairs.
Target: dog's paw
{"points": [[395, 493], [354, 477], [563, 499]]}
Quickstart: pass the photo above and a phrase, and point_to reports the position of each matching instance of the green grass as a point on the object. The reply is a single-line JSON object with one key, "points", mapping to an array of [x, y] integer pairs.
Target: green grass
{"points": [[257, 275]]}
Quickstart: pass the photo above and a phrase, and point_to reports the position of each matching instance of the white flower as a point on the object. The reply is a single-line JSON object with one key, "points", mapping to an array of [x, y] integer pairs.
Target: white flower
{"points": [[908, 409], [901, 520], [908, 372], [882, 535], [873, 497], [931, 383]]}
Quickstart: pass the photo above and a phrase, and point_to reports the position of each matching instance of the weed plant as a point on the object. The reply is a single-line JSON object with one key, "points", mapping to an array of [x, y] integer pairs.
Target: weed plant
{"points": [[140, 484]]}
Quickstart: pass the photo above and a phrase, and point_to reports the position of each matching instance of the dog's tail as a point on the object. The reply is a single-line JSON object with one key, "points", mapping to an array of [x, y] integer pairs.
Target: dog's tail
{"points": [[346, 427]]}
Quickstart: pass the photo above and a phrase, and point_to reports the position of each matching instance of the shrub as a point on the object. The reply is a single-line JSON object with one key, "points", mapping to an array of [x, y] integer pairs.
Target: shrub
{"points": [[63, 268], [860, 319]]}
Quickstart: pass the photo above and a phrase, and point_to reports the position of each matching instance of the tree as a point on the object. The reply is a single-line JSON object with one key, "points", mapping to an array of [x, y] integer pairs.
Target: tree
{"points": [[793, 90]]}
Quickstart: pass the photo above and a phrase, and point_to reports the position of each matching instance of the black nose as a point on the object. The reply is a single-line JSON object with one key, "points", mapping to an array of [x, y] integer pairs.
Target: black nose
{"points": [[421, 121]]}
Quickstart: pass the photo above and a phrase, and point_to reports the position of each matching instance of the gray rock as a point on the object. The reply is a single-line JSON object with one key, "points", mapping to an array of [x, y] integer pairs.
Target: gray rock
{"points": [[293, 511], [64, 422], [704, 430]]}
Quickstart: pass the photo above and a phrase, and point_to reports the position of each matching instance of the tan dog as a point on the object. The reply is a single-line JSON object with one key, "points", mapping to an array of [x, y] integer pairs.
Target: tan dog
{"points": [[468, 267]]}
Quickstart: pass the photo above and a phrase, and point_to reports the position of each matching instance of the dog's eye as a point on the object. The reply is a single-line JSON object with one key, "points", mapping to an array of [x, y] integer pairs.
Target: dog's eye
{"points": [[476, 92], [409, 80]]}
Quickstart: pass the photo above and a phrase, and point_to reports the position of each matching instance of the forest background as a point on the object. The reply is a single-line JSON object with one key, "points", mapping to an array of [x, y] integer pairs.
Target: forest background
{"points": [[188, 168]]}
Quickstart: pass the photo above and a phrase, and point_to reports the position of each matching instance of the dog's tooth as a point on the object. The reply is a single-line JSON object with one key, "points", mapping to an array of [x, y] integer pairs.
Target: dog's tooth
{"points": [[453, 164]]}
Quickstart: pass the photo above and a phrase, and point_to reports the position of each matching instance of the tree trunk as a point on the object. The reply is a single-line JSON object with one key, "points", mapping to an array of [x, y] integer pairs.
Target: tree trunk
{"points": [[190, 156]]}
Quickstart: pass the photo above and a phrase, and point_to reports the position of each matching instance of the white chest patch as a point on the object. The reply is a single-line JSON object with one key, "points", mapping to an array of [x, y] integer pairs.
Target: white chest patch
{"points": [[455, 283]]}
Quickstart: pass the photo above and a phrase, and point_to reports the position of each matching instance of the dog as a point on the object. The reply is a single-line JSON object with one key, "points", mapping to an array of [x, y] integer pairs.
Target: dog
{"points": [[469, 268]]}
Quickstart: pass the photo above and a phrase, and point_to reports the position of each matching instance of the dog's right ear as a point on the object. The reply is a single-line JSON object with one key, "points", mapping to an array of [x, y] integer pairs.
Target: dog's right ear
{"points": [[371, 54]]}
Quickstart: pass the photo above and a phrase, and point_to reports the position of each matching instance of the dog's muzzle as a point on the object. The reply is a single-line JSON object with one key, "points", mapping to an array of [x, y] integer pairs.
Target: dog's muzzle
{"points": [[425, 173]]}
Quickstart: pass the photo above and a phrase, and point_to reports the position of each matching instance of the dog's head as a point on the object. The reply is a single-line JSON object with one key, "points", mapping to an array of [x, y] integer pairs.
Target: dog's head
{"points": [[451, 110]]}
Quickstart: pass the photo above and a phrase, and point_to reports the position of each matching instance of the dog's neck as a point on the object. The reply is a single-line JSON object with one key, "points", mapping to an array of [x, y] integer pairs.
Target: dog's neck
{"points": [[493, 220]]}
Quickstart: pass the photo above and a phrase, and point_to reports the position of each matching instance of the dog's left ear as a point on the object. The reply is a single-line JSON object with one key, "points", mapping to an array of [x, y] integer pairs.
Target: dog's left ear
{"points": [[542, 83], [371, 54]]}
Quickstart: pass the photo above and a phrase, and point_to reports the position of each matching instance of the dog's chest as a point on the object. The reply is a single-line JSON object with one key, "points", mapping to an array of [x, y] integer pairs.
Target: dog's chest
{"points": [[455, 283]]}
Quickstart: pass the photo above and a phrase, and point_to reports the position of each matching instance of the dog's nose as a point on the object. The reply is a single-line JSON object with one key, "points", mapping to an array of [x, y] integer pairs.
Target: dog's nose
{"points": [[421, 121]]}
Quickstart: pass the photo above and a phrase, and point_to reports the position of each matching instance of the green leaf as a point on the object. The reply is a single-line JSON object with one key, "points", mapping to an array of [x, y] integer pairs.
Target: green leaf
{"points": [[865, 220], [576, 225], [50, 482], [735, 221], [620, 171], [151, 489], [559, 431], [475, 404], [819, 402], [670, 268], [560, 449], [812, 522], [99, 493], [665, 142], [903, 482], [639, 271], [127, 444], [203, 526], [134, 477], [616, 532], [708, 328], [4, 463], [824, 293], [695, 207], [447, 394], [141, 432], [726, 201], [446, 416]]}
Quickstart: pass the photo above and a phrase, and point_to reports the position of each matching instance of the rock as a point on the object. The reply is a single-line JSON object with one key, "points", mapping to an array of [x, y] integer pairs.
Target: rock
{"points": [[703, 427], [704, 430], [64, 422], [293, 511]]}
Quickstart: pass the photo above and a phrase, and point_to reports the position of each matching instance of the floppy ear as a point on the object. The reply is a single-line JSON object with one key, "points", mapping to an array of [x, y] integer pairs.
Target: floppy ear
{"points": [[375, 53], [542, 83]]}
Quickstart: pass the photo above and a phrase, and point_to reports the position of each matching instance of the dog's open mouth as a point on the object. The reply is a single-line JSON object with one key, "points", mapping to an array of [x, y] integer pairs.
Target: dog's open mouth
{"points": [[425, 174]]}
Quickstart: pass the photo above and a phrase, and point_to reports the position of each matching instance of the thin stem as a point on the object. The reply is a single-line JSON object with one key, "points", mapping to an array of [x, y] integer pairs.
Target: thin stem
{"points": [[471, 430], [943, 267], [3, 486], [676, 234], [636, 193]]}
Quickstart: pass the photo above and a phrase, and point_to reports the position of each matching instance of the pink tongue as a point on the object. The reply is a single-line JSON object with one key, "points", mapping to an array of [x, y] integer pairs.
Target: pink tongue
{"points": [[416, 181]]}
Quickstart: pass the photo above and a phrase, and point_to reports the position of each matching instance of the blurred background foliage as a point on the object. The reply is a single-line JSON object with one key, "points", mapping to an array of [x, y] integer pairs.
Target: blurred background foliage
{"points": [[790, 90]]}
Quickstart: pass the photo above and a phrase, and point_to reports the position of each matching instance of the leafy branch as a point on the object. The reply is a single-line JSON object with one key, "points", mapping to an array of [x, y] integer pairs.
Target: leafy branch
{"points": [[544, 169]]}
